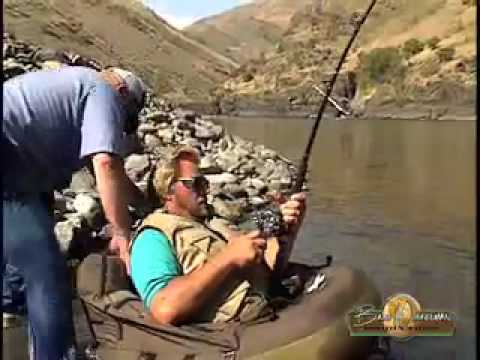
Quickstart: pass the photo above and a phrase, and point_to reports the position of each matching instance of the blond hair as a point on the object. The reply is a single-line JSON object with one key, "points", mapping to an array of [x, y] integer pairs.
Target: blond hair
{"points": [[166, 170]]}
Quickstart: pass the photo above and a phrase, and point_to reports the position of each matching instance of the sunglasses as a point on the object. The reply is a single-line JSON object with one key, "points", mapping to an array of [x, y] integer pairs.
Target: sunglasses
{"points": [[197, 183]]}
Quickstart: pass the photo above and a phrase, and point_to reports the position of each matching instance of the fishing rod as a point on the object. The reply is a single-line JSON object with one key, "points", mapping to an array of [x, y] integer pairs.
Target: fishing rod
{"points": [[302, 171], [269, 220]]}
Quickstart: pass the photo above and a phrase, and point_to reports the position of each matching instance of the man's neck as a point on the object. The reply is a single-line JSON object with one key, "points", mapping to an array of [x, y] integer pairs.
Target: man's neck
{"points": [[175, 210]]}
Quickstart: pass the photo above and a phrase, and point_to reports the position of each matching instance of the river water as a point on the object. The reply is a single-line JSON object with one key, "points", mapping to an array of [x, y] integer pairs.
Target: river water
{"points": [[396, 199]]}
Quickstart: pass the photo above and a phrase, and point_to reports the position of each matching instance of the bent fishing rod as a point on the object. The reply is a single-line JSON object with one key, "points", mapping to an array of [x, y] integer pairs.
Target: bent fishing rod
{"points": [[302, 171], [269, 220]]}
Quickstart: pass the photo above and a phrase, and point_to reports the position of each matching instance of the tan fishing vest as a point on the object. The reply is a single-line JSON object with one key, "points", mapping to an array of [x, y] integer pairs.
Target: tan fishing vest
{"points": [[194, 243]]}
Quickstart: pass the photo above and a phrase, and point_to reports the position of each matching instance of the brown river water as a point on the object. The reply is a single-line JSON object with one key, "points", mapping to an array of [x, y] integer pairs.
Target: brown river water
{"points": [[395, 199]]}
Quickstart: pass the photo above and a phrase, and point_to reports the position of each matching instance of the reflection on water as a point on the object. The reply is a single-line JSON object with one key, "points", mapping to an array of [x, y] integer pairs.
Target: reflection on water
{"points": [[396, 199]]}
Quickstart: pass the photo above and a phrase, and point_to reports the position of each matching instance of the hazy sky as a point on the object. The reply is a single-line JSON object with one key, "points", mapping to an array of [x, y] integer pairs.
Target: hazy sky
{"points": [[181, 13]]}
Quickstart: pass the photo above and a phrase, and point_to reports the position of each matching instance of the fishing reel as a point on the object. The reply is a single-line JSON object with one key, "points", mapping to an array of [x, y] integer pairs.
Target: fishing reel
{"points": [[267, 220]]}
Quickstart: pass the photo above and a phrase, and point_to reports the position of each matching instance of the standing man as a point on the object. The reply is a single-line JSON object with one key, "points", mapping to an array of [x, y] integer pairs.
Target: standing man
{"points": [[54, 122]]}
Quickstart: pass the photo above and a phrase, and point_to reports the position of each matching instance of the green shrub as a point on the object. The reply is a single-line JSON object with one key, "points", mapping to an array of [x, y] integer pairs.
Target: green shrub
{"points": [[432, 43], [382, 65], [446, 54], [412, 47]]}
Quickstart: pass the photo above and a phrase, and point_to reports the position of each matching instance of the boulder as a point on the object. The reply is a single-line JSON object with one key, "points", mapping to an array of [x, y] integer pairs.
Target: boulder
{"points": [[152, 142], [206, 133], [66, 231], [224, 178], [208, 165], [82, 182], [166, 135], [228, 160], [186, 114], [136, 166], [230, 210], [89, 209]]}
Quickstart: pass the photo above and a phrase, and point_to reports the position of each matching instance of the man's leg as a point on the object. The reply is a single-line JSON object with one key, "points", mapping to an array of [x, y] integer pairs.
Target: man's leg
{"points": [[29, 245]]}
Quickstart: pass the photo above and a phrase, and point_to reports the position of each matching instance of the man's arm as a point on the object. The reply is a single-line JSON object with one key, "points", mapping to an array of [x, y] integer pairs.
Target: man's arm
{"points": [[113, 187], [185, 295]]}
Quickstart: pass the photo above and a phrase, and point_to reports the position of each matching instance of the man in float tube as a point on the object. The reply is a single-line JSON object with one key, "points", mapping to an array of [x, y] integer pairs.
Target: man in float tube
{"points": [[188, 266]]}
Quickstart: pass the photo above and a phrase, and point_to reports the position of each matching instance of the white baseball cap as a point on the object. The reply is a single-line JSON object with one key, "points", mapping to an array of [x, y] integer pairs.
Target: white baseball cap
{"points": [[135, 85]]}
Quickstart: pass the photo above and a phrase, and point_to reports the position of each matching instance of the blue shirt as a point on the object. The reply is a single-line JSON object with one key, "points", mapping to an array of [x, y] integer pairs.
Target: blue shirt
{"points": [[52, 120], [153, 264]]}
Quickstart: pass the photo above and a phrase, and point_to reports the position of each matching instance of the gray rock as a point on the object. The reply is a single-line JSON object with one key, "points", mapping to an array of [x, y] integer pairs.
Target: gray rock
{"points": [[247, 167], [241, 151], [191, 142], [280, 172], [254, 186], [257, 201], [152, 142], [268, 154], [89, 209], [258, 184], [158, 116], [207, 147], [85, 205], [223, 144], [61, 202], [235, 190], [182, 124], [65, 232], [83, 182], [147, 128], [205, 133], [166, 135], [186, 114], [267, 169], [136, 166], [230, 210], [224, 178], [228, 160], [208, 165]]}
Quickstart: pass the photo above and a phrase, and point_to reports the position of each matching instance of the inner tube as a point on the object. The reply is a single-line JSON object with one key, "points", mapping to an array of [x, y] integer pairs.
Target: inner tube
{"points": [[316, 327], [312, 326]]}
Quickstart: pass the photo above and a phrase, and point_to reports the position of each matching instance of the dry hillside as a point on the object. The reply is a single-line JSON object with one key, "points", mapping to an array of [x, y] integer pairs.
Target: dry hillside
{"points": [[408, 51], [246, 31], [121, 32]]}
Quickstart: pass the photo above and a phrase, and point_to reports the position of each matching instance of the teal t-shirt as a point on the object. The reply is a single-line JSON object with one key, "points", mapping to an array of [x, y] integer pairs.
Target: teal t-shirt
{"points": [[153, 264]]}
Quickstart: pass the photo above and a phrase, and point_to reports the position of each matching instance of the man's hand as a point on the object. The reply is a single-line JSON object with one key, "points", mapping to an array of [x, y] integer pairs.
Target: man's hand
{"points": [[119, 245], [293, 212], [246, 249]]}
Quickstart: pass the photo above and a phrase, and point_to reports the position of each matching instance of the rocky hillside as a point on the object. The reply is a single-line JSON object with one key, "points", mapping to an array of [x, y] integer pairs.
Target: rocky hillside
{"points": [[407, 52], [241, 174], [246, 31], [125, 33]]}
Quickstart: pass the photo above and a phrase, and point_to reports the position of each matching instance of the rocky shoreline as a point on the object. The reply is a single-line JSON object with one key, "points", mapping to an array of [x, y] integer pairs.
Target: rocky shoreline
{"points": [[241, 174], [283, 109]]}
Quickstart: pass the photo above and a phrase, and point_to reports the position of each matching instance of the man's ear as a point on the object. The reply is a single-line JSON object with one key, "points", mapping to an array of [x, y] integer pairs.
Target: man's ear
{"points": [[123, 89], [168, 197]]}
